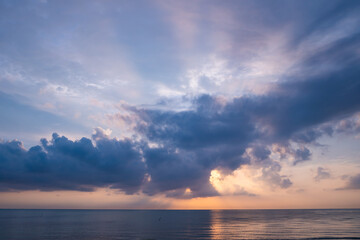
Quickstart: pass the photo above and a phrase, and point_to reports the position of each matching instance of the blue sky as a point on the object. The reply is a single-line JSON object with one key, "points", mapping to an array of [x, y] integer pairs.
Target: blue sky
{"points": [[179, 99]]}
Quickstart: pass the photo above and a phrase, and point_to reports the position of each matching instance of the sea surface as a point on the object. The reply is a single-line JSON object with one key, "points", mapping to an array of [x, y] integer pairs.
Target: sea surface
{"points": [[179, 224]]}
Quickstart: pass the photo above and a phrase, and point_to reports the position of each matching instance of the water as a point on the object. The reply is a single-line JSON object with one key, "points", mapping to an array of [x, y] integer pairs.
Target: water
{"points": [[173, 224]]}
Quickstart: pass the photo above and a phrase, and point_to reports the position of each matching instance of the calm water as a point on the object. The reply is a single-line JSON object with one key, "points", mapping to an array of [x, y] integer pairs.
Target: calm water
{"points": [[167, 224]]}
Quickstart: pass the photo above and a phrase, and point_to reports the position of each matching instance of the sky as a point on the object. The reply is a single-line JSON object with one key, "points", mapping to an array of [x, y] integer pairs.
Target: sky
{"points": [[180, 104]]}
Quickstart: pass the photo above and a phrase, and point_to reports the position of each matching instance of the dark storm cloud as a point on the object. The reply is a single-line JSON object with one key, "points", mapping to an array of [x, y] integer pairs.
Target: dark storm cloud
{"points": [[62, 164], [173, 173], [303, 104], [210, 124]]}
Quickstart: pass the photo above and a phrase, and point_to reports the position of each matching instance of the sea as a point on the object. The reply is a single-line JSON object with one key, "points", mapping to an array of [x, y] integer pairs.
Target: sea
{"points": [[179, 224]]}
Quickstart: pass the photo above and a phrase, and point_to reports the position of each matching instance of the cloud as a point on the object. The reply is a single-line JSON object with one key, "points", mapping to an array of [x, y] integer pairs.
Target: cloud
{"points": [[321, 174], [270, 174], [173, 171], [259, 157], [352, 184], [350, 125], [62, 164], [302, 155]]}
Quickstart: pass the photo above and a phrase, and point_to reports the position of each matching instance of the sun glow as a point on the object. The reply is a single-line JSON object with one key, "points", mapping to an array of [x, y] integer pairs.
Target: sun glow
{"points": [[241, 182]]}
